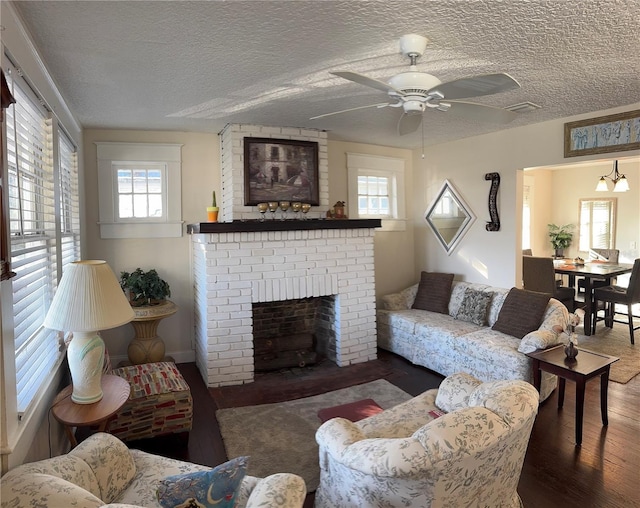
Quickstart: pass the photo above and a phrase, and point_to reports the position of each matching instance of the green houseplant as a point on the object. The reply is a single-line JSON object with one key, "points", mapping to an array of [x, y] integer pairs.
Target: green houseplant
{"points": [[561, 237], [145, 288]]}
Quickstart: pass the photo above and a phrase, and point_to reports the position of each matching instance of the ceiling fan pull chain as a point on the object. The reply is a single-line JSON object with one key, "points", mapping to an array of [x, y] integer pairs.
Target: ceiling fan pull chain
{"points": [[422, 138]]}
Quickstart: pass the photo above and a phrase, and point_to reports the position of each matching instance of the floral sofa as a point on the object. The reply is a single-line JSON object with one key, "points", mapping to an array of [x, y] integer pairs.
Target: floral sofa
{"points": [[412, 455], [102, 472], [447, 344]]}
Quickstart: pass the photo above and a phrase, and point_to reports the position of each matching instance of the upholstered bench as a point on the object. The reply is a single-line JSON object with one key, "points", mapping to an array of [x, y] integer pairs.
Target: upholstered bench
{"points": [[160, 402]]}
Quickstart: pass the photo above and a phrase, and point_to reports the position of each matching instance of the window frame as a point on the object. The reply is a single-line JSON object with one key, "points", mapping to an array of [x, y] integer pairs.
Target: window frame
{"points": [[110, 155], [379, 166]]}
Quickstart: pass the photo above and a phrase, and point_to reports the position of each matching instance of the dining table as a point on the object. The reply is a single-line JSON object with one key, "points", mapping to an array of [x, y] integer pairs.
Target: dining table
{"points": [[590, 270]]}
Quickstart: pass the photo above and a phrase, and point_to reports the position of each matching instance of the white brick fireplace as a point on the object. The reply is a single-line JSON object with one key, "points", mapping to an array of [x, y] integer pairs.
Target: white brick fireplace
{"points": [[241, 262], [234, 270]]}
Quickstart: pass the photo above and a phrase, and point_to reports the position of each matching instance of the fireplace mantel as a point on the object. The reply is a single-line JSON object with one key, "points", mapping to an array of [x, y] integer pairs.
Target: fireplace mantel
{"points": [[238, 226]]}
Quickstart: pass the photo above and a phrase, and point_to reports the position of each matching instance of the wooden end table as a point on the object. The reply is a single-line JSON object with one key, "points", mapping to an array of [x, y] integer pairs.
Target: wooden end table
{"points": [[115, 393], [587, 365]]}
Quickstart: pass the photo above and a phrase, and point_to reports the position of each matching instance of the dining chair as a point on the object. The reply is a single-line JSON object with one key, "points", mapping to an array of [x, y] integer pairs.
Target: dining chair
{"points": [[538, 275], [612, 295], [608, 255]]}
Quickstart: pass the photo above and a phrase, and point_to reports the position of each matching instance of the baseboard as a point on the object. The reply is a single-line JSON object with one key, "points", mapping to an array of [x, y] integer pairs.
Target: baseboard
{"points": [[178, 357]]}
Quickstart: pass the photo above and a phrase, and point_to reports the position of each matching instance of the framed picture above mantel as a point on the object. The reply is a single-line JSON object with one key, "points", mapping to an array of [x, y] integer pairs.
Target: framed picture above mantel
{"points": [[604, 134], [280, 170]]}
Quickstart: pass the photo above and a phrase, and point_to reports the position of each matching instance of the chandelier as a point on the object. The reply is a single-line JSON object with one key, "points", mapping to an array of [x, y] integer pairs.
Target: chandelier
{"points": [[620, 183]]}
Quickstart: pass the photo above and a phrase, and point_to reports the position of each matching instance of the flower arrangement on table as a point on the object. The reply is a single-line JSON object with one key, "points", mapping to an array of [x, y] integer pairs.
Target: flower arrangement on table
{"points": [[568, 335]]}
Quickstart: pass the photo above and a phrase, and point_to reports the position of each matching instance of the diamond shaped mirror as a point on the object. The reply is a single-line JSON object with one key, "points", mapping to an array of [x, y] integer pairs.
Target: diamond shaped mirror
{"points": [[449, 217]]}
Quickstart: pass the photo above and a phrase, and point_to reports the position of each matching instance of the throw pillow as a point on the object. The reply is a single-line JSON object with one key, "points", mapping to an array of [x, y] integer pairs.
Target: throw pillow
{"points": [[217, 488], [521, 312], [538, 339], [434, 292], [474, 306]]}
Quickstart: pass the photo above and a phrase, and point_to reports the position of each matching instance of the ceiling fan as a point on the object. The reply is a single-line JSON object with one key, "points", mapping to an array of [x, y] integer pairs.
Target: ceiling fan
{"points": [[415, 91]]}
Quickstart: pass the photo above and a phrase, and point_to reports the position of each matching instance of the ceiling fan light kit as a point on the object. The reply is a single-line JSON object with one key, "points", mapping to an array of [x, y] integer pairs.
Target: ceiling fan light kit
{"points": [[418, 91]]}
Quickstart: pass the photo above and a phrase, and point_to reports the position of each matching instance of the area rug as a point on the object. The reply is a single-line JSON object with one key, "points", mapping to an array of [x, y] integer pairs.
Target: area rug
{"points": [[280, 438], [615, 342]]}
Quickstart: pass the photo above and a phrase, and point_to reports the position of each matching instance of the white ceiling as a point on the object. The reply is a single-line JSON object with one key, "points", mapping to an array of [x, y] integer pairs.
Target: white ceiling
{"points": [[195, 66]]}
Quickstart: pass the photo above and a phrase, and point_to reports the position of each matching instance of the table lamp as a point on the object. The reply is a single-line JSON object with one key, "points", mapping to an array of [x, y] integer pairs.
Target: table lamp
{"points": [[88, 299]]}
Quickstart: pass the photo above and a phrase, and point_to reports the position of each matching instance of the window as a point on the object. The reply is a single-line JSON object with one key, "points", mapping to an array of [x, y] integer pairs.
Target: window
{"points": [[597, 223], [376, 189], [373, 196], [139, 190], [44, 231]]}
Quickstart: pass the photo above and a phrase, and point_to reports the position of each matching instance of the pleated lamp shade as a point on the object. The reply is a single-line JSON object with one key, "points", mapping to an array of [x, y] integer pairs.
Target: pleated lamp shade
{"points": [[89, 298]]}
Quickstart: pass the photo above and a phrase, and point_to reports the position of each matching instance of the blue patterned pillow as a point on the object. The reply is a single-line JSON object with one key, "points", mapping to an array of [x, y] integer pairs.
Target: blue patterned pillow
{"points": [[217, 488], [474, 306]]}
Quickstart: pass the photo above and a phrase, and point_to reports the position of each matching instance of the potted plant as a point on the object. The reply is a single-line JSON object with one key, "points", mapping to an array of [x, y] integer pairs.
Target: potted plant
{"points": [[560, 237], [145, 288], [213, 210]]}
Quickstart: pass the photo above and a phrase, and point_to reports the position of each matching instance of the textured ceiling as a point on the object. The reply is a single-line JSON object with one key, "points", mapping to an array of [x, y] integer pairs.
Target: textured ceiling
{"points": [[179, 65]]}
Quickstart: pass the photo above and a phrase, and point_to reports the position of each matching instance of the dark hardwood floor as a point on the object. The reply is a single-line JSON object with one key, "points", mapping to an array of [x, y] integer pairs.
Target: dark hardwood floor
{"points": [[603, 472]]}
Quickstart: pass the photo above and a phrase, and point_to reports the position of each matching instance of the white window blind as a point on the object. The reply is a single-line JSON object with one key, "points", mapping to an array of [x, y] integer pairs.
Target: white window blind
{"points": [[373, 196], [597, 224], [69, 200], [35, 247]]}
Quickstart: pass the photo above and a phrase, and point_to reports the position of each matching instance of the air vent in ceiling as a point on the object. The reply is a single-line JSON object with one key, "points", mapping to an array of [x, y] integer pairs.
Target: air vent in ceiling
{"points": [[523, 107]]}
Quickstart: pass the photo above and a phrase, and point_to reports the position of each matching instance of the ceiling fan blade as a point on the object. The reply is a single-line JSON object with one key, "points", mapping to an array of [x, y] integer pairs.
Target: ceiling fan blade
{"points": [[474, 111], [379, 105], [476, 86], [409, 123], [361, 79]]}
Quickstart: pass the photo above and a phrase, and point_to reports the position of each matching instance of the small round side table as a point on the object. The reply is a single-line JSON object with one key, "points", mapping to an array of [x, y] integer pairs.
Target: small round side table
{"points": [[147, 346], [115, 393]]}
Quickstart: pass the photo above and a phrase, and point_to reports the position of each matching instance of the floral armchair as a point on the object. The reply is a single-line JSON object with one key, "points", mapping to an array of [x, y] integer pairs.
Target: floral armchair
{"points": [[409, 456], [102, 472]]}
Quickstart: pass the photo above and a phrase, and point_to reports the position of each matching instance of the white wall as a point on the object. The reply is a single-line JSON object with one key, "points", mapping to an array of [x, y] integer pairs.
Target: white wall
{"points": [[393, 250], [394, 267], [169, 256], [484, 256]]}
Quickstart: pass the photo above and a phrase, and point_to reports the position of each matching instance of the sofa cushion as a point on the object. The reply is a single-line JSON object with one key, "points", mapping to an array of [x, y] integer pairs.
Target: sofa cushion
{"points": [[434, 292], [474, 306], [454, 391], [216, 488], [111, 462], [38, 489], [513, 320], [67, 467], [538, 339], [400, 301]]}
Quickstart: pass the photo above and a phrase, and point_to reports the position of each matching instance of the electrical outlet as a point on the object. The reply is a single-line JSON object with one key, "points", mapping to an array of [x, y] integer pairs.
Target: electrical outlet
{"points": [[632, 245]]}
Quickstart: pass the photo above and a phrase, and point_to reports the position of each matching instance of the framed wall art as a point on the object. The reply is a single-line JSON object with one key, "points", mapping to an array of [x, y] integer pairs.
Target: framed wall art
{"points": [[280, 170], [605, 134]]}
